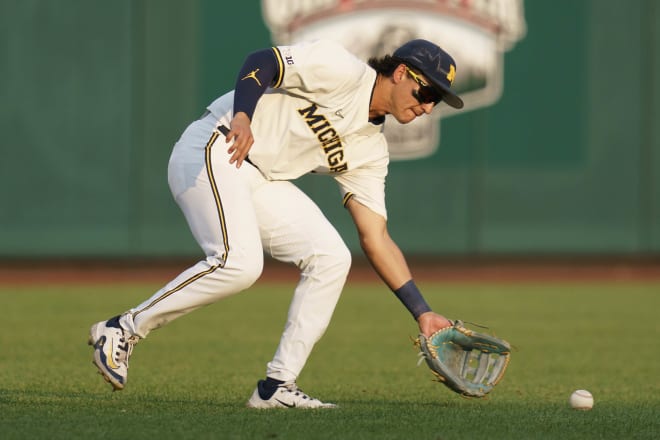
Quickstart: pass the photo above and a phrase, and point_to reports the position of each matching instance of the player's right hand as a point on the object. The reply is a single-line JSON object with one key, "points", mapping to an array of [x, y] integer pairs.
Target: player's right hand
{"points": [[241, 134], [431, 322]]}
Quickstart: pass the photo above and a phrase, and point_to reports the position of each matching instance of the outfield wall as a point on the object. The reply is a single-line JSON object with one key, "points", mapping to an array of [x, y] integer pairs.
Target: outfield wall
{"points": [[94, 94]]}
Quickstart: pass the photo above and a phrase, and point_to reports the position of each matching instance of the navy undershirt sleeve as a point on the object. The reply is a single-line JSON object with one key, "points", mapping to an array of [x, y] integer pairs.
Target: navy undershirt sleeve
{"points": [[259, 71]]}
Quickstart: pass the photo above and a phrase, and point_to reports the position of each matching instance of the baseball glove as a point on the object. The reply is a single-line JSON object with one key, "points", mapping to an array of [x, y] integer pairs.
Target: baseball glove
{"points": [[467, 362]]}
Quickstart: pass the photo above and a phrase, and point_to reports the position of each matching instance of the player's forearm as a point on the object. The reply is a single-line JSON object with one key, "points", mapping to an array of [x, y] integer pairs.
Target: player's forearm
{"points": [[387, 260], [390, 264], [258, 72]]}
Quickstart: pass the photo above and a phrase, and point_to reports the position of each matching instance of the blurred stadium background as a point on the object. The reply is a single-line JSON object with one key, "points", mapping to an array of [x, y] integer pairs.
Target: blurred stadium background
{"points": [[94, 94]]}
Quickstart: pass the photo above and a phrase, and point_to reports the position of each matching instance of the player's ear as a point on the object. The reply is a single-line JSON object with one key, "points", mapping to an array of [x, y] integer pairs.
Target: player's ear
{"points": [[399, 73]]}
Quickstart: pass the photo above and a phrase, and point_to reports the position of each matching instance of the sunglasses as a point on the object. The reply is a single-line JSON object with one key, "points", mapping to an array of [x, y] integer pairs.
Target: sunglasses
{"points": [[425, 94]]}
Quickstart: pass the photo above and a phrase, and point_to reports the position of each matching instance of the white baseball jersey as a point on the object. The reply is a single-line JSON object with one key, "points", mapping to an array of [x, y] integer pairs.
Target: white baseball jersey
{"points": [[315, 118]]}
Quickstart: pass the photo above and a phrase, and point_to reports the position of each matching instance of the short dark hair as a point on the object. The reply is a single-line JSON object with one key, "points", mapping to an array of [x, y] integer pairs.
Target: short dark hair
{"points": [[385, 65]]}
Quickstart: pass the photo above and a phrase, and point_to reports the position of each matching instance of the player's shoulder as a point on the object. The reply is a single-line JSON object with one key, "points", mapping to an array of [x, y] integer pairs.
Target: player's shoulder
{"points": [[325, 49], [323, 45]]}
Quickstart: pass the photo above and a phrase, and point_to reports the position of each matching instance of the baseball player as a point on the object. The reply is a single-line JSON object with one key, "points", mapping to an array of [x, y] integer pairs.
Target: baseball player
{"points": [[306, 108]]}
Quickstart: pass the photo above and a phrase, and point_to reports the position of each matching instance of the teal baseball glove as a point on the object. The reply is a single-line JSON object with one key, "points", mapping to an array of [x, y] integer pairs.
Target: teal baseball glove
{"points": [[467, 362]]}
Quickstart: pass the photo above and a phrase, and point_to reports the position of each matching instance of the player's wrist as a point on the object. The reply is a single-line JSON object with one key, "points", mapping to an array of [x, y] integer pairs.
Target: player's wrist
{"points": [[242, 116], [412, 299]]}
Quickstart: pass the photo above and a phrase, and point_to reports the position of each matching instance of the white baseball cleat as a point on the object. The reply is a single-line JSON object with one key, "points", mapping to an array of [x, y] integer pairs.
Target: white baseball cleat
{"points": [[287, 395], [112, 348]]}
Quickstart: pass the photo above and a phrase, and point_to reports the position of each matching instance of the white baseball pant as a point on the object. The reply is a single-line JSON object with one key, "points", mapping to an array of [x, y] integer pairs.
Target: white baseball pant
{"points": [[236, 214]]}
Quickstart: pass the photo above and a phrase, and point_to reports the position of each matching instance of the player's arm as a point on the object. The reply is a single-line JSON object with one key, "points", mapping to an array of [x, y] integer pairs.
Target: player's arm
{"points": [[260, 70], [390, 264]]}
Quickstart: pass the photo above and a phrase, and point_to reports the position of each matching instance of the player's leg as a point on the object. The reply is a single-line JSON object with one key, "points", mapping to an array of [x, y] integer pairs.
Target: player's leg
{"points": [[215, 199], [217, 205], [294, 230]]}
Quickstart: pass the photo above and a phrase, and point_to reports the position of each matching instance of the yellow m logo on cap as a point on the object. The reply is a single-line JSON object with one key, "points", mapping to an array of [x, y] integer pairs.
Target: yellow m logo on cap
{"points": [[452, 74]]}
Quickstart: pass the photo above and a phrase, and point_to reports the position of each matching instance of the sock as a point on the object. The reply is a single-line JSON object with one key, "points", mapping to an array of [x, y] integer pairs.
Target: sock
{"points": [[113, 322], [268, 387]]}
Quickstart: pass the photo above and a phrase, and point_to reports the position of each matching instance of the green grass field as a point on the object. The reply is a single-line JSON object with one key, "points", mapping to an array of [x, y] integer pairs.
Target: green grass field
{"points": [[190, 380]]}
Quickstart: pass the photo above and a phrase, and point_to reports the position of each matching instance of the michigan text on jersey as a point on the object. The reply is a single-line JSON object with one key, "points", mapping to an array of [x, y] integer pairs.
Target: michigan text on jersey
{"points": [[327, 136]]}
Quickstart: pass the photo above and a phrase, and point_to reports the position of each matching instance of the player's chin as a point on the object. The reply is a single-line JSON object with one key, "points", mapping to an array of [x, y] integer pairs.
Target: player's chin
{"points": [[405, 118]]}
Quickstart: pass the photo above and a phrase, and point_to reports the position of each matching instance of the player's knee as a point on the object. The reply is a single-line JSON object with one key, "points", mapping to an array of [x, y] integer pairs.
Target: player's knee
{"points": [[335, 261], [242, 271], [249, 272], [254, 271], [344, 259]]}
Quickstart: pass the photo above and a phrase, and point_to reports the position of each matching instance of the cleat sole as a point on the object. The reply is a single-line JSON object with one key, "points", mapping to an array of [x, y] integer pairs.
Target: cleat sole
{"points": [[115, 386]]}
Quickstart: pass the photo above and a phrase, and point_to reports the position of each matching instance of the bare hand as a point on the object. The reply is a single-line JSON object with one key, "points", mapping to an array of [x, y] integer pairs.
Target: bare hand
{"points": [[431, 322], [241, 134]]}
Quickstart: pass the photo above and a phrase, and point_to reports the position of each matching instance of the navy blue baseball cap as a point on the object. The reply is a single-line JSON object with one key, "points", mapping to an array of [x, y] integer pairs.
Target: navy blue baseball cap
{"points": [[436, 64]]}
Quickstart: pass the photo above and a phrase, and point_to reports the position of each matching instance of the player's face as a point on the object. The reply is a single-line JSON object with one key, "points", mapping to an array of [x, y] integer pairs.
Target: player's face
{"points": [[413, 97]]}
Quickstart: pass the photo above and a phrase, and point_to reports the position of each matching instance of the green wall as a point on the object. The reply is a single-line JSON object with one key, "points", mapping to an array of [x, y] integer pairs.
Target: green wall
{"points": [[94, 94]]}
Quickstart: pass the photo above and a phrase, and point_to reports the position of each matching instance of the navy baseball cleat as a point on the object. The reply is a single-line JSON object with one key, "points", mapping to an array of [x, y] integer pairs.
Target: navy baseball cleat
{"points": [[286, 395], [112, 348]]}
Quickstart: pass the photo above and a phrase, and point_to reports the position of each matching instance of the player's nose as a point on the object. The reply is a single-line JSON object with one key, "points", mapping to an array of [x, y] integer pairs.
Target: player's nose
{"points": [[428, 108]]}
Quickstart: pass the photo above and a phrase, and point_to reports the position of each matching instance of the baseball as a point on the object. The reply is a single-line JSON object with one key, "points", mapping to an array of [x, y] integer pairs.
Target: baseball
{"points": [[581, 399]]}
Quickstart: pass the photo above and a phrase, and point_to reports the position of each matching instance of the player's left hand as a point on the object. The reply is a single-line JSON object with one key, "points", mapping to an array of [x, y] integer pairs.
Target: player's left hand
{"points": [[431, 322], [241, 134]]}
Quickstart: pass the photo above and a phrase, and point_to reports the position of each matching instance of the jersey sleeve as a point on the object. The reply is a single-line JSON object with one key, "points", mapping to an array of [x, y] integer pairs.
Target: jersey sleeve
{"points": [[317, 69], [365, 185]]}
